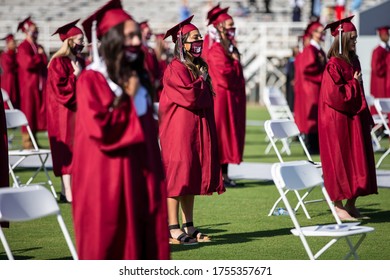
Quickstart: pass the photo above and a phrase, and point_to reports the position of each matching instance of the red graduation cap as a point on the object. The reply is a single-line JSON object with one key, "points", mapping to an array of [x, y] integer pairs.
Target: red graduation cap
{"points": [[337, 27], [343, 25], [106, 17], [8, 38], [213, 10], [25, 24], [312, 26], [68, 30], [383, 30], [219, 16], [180, 29]]}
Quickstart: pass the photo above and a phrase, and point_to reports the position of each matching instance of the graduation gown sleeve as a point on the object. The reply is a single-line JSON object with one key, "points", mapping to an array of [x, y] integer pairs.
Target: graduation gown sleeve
{"points": [[112, 128]]}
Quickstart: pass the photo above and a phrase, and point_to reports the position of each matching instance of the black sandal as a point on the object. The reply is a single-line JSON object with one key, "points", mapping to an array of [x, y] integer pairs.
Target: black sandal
{"points": [[183, 239], [200, 237]]}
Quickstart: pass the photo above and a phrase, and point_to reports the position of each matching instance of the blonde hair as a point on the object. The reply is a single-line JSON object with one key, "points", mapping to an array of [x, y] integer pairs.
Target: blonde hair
{"points": [[65, 50]]}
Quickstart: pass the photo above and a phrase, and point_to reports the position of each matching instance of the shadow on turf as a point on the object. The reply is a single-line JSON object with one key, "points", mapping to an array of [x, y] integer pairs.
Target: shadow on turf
{"points": [[18, 253], [232, 238]]}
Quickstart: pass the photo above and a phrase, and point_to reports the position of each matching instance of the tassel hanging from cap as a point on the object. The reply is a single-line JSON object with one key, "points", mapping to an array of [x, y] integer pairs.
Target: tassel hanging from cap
{"points": [[95, 52], [340, 33], [180, 43]]}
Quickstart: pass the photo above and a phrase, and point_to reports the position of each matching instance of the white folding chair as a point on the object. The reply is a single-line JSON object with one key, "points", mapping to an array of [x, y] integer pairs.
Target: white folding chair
{"points": [[26, 204], [278, 108], [378, 123], [6, 99], [302, 175], [285, 129], [382, 106], [15, 119]]}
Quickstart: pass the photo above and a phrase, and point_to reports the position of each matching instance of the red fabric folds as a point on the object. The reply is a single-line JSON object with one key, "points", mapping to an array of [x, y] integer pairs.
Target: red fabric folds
{"points": [[344, 128]]}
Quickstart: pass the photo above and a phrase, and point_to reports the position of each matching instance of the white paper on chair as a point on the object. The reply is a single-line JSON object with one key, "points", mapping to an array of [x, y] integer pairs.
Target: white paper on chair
{"points": [[337, 227]]}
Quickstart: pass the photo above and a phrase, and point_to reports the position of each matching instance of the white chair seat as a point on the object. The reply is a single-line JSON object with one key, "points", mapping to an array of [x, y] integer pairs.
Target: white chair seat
{"points": [[334, 230], [29, 152]]}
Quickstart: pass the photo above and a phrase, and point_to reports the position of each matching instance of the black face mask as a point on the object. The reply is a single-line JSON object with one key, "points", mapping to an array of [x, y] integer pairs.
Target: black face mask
{"points": [[34, 34], [132, 52], [196, 48], [77, 49]]}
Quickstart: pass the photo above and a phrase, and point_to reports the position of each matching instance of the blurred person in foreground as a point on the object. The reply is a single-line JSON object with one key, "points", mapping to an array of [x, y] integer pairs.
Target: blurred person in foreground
{"points": [[118, 188]]}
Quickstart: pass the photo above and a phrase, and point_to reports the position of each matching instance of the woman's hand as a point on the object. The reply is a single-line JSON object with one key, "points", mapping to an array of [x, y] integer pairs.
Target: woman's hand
{"points": [[358, 76], [132, 85], [76, 67]]}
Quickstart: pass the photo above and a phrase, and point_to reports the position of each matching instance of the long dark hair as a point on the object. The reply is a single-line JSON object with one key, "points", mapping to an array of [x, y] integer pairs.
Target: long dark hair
{"points": [[118, 67], [195, 64], [346, 55]]}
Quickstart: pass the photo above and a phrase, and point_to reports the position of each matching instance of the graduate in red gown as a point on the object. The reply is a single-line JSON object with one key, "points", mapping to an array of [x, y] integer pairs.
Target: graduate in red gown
{"points": [[32, 62], [118, 189], [230, 99], [379, 68], [311, 65], [303, 41], [4, 175], [64, 68], [212, 34], [9, 75], [151, 62], [388, 71], [188, 135], [344, 125], [164, 57]]}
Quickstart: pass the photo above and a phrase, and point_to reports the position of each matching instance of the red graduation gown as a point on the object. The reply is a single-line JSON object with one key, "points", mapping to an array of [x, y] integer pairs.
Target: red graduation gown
{"points": [[61, 112], [32, 78], [310, 66], [388, 76], [298, 91], [379, 73], [188, 135], [119, 198], [344, 128], [151, 64], [230, 104], [9, 77], [4, 176]]}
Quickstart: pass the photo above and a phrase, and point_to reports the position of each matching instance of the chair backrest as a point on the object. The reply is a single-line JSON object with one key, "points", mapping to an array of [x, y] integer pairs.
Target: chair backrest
{"points": [[30, 203], [16, 118], [382, 106], [296, 176], [6, 98], [284, 129], [276, 104], [27, 203]]}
